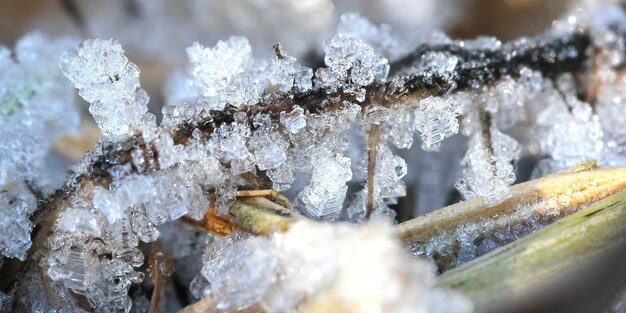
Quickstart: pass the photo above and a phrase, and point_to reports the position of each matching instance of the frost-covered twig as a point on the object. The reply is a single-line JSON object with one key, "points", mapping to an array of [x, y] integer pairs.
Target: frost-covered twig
{"points": [[550, 56]]}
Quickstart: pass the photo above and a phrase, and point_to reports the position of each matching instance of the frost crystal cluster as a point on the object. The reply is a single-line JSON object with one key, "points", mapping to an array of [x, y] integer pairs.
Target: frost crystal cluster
{"points": [[333, 141], [110, 83]]}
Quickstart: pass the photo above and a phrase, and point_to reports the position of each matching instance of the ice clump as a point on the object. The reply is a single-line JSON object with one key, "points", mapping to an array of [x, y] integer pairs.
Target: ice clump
{"points": [[488, 169], [16, 206], [569, 131], [223, 73], [435, 120], [324, 195], [36, 107], [286, 73], [110, 83], [352, 65], [293, 121], [319, 262], [79, 220]]}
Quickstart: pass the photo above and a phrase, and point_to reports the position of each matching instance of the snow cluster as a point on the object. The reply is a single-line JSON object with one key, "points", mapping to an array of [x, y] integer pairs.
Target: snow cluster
{"points": [[342, 265]]}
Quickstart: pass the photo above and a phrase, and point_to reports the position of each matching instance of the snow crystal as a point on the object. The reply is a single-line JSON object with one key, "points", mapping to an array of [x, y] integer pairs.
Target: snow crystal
{"points": [[324, 194], [352, 64], [110, 83], [435, 120], [288, 74], [222, 73], [487, 167], [294, 120]]}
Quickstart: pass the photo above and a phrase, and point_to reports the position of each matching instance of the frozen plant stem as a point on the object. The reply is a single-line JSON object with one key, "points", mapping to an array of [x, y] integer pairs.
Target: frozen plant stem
{"points": [[486, 67]]}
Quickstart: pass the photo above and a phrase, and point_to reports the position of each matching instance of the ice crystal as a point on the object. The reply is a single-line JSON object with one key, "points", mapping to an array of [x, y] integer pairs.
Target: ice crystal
{"points": [[79, 220], [352, 65], [325, 193], [222, 73], [293, 121], [110, 83], [435, 120], [287, 74], [488, 170]]}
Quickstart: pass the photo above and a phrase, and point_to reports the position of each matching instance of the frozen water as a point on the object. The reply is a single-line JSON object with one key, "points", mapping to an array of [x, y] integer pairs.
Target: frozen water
{"points": [[110, 83], [287, 74], [325, 193], [352, 64], [79, 221], [488, 169], [222, 73], [36, 107], [16, 206], [435, 120], [293, 121]]}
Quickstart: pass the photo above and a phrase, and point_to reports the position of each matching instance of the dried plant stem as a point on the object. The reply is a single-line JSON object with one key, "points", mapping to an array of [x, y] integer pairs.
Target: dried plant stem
{"points": [[373, 140], [562, 193], [161, 267], [509, 275]]}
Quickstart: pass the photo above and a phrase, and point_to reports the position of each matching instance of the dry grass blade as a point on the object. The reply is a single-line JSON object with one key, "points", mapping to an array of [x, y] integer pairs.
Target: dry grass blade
{"points": [[560, 193], [373, 140], [161, 267], [512, 274]]}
